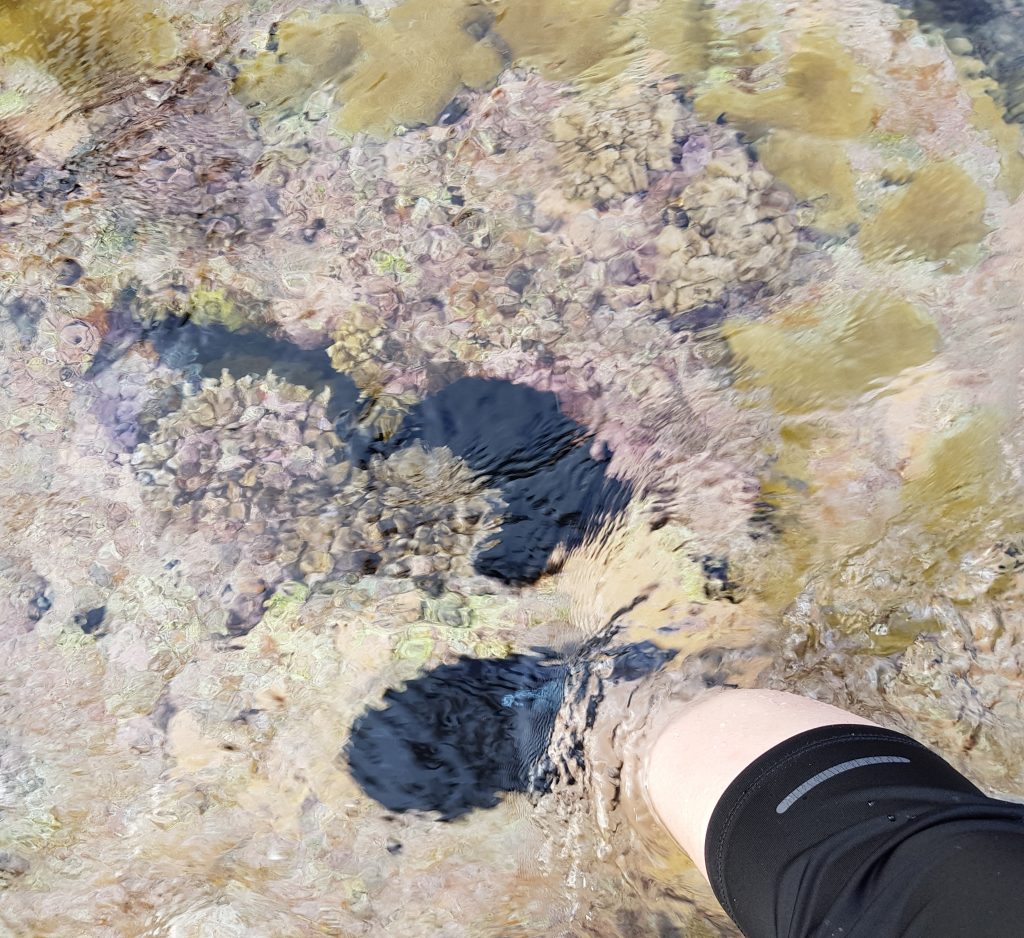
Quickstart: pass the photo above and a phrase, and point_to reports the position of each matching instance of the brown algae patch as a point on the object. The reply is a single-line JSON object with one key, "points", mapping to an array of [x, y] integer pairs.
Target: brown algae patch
{"points": [[951, 477], [808, 358], [940, 210], [562, 38], [84, 44], [404, 69], [823, 91], [988, 118], [816, 171], [822, 99], [57, 58], [682, 30], [401, 70]]}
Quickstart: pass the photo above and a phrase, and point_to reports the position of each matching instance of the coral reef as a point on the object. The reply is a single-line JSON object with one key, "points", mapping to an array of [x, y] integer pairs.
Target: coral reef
{"points": [[614, 153], [732, 224], [597, 369], [261, 457], [356, 349]]}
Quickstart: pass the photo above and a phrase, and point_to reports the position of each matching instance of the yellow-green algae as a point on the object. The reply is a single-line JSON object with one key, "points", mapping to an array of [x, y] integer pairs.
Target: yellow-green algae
{"points": [[562, 38], [215, 307], [87, 44], [816, 171], [952, 477], [940, 210], [988, 117], [823, 92], [824, 98], [401, 70], [809, 357], [683, 30]]}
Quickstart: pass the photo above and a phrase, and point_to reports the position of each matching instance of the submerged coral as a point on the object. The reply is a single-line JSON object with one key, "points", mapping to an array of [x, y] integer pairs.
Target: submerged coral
{"points": [[356, 348], [262, 456], [614, 152], [422, 511], [731, 225], [991, 29]]}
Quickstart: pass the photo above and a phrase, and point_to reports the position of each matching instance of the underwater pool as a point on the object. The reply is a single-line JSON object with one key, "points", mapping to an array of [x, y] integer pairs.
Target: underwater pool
{"points": [[400, 402]]}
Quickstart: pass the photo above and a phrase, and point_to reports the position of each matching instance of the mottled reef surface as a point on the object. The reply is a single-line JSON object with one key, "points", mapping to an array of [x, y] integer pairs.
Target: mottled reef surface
{"points": [[558, 356]]}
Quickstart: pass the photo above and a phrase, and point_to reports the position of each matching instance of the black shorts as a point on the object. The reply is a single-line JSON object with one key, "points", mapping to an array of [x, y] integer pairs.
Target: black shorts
{"points": [[863, 833]]}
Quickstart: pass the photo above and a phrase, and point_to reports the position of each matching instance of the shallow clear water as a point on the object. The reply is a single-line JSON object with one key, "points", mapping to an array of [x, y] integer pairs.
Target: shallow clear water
{"points": [[485, 375]]}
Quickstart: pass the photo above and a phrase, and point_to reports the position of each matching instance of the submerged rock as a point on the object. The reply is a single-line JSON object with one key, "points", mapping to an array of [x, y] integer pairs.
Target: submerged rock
{"points": [[198, 346]]}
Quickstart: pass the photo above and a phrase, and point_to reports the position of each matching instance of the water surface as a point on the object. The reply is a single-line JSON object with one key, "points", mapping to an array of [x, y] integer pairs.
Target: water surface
{"points": [[458, 386]]}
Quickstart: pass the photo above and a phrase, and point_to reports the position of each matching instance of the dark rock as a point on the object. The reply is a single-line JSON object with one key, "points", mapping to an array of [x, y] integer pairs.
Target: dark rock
{"points": [[68, 271], [39, 605], [518, 279], [719, 585], [676, 215], [364, 561], [90, 621], [454, 111], [25, 313], [309, 233]]}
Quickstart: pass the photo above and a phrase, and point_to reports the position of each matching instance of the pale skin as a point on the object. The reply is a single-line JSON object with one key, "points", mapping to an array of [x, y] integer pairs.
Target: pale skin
{"points": [[709, 743]]}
